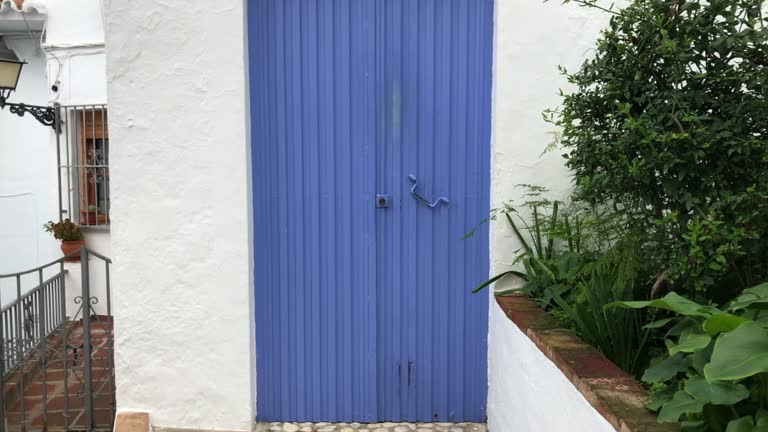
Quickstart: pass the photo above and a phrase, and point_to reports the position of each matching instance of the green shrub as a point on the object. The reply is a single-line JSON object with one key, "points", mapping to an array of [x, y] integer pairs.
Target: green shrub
{"points": [[617, 333], [574, 263], [545, 263], [667, 124]]}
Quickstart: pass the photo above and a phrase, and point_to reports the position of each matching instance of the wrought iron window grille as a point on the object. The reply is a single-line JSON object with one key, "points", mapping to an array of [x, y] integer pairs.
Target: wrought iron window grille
{"points": [[83, 161]]}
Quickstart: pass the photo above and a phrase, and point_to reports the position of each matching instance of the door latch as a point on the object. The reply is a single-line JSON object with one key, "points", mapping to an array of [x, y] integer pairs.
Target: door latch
{"points": [[442, 199]]}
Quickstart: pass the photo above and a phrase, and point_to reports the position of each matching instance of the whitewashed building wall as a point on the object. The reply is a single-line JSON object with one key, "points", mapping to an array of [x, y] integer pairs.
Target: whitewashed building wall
{"points": [[532, 38], [27, 155], [169, 91], [69, 54]]}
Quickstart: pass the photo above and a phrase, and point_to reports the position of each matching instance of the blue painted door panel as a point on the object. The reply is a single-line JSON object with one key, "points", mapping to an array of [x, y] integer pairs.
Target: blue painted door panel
{"points": [[313, 116], [434, 90], [363, 313]]}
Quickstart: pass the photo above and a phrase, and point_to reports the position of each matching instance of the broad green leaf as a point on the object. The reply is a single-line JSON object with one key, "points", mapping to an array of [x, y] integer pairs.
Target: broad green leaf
{"points": [[681, 404], [762, 425], [542, 268], [566, 265], [716, 393], [529, 269], [659, 323], [537, 232], [519, 236], [739, 354], [497, 277], [750, 296], [552, 226], [672, 302], [744, 424], [684, 325], [722, 323], [760, 317], [691, 341], [755, 297], [761, 416], [507, 291], [666, 369], [701, 358], [659, 397]]}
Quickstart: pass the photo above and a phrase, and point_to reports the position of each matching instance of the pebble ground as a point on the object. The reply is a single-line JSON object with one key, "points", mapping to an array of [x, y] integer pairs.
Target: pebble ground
{"points": [[370, 427]]}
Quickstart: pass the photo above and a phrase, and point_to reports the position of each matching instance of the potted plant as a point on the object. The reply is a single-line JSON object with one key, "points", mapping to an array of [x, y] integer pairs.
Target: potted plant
{"points": [[93, 215], [70, 235]]}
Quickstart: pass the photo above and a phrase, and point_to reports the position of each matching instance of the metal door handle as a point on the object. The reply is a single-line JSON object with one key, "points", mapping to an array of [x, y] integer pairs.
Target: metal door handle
{"points": [[418, 197]]}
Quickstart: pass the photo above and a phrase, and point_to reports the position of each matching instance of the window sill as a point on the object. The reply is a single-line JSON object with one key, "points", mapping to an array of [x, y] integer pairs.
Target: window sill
{"points": [[95, 228]]}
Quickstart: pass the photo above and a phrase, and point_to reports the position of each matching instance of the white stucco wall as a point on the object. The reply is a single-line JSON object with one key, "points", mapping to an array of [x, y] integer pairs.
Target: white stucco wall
{"points": [[526, 391], [176, 85], [73, 58], [531, 39], [75, 22], [74, 41], [179, 183], [27, 174], [99, 241], [74, 47]]}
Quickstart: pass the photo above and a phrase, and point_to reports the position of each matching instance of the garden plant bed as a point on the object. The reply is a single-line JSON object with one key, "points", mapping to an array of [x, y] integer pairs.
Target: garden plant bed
{"points": [[616, 395]]}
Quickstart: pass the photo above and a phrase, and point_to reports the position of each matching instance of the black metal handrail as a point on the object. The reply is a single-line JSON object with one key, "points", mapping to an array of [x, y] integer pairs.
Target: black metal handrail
{"points": [[36, 322], [32, 291], [62, 260], [20, 335]]}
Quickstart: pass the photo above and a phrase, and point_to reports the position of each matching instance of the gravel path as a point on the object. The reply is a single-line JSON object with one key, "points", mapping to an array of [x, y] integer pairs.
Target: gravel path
{"points": [[371, 427]]}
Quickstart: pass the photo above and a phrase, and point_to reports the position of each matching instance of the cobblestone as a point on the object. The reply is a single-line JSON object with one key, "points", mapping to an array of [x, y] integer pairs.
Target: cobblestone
{"points": [[370, 427]]}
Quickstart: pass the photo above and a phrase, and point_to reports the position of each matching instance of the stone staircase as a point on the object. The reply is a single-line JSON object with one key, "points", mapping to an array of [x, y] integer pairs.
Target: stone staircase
{"points": [[53, 397]]}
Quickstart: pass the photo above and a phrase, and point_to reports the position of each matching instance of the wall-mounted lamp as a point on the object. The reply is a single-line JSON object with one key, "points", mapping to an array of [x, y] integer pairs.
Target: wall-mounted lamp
{"points": [[10, 70]]}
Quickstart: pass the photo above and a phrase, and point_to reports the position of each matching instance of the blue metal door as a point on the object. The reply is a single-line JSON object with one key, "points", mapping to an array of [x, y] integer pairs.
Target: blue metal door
{"points": [[432, 147], [370, 125]]}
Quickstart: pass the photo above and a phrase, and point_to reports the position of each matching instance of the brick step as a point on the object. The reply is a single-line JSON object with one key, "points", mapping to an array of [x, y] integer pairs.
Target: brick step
{"points": [[54, 389], [47, 412], [59, 419], [57, 375], [59, 402]]}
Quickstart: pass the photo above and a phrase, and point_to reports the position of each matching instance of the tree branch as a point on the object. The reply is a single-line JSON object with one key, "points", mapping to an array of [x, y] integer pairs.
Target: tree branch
{"points": [[592, 4], [677, 122], [661, 283]]}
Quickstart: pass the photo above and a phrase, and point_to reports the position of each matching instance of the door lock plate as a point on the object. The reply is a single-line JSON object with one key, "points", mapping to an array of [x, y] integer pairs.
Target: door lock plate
{"points": [[383, 200]]}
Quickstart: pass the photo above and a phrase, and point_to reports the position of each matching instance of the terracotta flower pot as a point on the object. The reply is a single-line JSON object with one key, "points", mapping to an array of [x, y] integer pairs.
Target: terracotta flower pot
{"points": [[69, 246]]}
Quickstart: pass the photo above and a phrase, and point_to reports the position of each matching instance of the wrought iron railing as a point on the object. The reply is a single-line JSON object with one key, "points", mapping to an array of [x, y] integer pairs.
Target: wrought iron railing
{"points": [[56, 349], [28, 320]]}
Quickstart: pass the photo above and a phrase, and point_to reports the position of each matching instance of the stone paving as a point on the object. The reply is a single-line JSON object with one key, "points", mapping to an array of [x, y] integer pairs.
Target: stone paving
{"points": [[371, 427]]}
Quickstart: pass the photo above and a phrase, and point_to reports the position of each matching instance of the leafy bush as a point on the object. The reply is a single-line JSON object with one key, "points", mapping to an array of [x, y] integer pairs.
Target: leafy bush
{"points": [[667, 124], [617, 333], [574, 265], [714, 374], [554, 243], [666, 134], [65, 230], [548, 267]]}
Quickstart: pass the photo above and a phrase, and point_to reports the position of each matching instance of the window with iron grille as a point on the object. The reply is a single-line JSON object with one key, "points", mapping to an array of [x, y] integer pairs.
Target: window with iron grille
{"points": [[85, 174]]}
